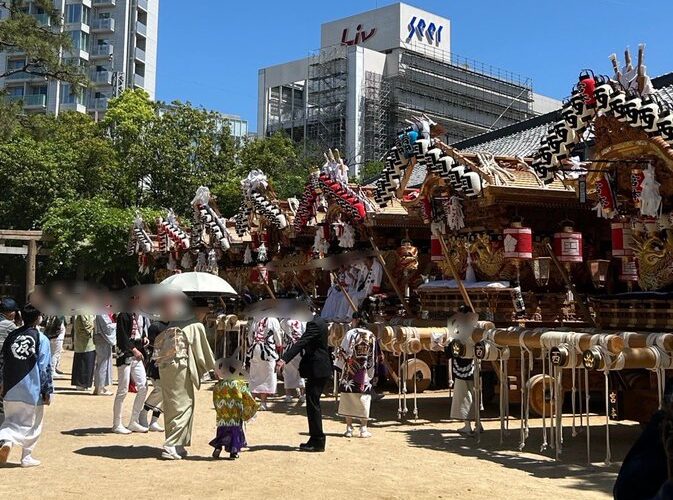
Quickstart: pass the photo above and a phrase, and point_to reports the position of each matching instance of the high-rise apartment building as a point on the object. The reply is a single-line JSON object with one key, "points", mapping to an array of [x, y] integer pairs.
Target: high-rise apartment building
{"points": [[115, 40]]}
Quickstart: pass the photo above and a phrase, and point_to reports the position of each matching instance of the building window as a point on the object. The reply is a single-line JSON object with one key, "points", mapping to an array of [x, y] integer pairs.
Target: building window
{"points": [[73, 13], [80, 40], [15, 91], [70, 95], [14, 64]]}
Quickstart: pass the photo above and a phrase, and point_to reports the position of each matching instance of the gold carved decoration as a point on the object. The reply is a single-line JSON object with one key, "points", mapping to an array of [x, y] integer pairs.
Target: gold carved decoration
{"points": [[655, 260]]}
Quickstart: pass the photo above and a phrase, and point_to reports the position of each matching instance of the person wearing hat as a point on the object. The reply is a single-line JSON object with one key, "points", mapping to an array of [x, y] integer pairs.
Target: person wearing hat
{"points": [[8, 309], [25, 379]]}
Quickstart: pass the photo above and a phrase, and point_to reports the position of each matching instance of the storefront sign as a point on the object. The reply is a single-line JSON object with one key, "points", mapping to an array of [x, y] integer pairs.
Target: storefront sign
{"points": [[431, 33], [360, 36]]}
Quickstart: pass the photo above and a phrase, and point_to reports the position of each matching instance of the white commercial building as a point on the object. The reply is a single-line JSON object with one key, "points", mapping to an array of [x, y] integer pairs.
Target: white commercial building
{"points": [[378, 68], [114, 40]]}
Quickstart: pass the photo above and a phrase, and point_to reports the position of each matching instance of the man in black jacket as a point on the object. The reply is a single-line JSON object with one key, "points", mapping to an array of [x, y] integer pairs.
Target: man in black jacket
{"points": [[316, 368]]}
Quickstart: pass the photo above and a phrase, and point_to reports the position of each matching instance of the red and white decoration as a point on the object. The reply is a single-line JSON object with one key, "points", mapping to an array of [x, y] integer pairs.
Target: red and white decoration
{"points": [[622, 239], [568, 245], [437, 230], [606, 204], [629, 269], [518, 242]]}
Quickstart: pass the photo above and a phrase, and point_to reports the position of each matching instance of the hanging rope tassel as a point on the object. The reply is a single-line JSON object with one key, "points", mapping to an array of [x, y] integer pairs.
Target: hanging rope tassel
{"points": [[477, 399], [405, 410], [399, 387], [544, 445], [522, 388], [415, 392], [586, 406], [608, 454]]}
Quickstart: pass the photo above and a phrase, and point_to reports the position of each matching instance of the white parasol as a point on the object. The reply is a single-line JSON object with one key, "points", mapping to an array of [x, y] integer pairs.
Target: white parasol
{"points": [[196, 283]]}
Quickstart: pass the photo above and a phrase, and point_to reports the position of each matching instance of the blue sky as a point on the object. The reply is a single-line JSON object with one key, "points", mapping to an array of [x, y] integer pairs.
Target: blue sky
{"points": [[209, 53]]}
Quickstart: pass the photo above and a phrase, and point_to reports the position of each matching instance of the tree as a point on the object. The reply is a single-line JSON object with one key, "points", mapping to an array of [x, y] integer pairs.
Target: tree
{"points": [[91, 237], [279, 158], [40, 38], [51, 158]]}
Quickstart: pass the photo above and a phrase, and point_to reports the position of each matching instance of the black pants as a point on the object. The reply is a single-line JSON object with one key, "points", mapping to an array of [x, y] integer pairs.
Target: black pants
{"points": [[314, 388]]}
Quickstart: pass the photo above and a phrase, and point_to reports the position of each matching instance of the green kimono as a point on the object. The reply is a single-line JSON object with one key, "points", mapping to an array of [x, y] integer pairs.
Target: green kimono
{"points": [[183, 356]]}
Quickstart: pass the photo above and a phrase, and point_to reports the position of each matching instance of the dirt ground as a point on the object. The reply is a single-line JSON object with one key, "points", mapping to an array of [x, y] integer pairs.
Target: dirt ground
{"points": [[403, 460]]}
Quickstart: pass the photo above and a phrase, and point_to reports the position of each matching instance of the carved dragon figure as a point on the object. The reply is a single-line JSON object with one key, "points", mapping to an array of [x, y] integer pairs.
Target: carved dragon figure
{"points": [[655, 260]]}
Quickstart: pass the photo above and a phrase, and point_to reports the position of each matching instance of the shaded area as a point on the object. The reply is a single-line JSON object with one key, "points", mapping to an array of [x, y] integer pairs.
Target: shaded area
{"points": [[572, 464], [117, 452], [89, 431]]}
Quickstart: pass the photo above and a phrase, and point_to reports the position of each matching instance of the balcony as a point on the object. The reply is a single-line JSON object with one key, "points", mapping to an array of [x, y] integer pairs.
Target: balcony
{"points": [[23, 76], [141, 29], [104, 3], [101, 51], [42, 19], [35, 101], [98, 103], [138, 81], [73, 106], [103, 25], [140, 54], [101, 77], [142, 5]]}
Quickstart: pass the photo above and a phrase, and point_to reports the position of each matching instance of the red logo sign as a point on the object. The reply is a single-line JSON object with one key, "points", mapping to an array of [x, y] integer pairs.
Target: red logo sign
{"points": [[360, 36]]}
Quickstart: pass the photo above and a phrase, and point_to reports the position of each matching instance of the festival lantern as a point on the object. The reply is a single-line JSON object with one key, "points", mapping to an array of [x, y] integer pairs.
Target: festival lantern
{"points": [[649, 115], [518, 242], [568, 244], [598, 268], [587, 86], [541, 268], [455, 176], [622, 239], [471, 182]]}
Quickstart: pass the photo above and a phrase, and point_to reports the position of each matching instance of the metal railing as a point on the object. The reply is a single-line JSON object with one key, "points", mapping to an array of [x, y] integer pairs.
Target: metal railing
{"points": [[106, 24], [22, 75], [103, 77], [101, 50], [35, 100], [31, 100], [98, 102]]}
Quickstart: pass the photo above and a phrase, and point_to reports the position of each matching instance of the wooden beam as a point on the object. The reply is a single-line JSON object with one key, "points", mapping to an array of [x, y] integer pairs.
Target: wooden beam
{"points": [[22, 235], [31, 264], [5, 250]]}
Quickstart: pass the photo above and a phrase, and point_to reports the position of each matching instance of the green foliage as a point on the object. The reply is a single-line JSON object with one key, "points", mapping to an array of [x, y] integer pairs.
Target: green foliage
{"points": [[91, 237], [280, 159], [81, 181], [370, 171], [41, 40]]}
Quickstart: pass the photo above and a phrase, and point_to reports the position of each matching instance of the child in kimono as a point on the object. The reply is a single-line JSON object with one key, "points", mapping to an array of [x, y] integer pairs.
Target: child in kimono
{"points": [[356, 358], [234, 405]]}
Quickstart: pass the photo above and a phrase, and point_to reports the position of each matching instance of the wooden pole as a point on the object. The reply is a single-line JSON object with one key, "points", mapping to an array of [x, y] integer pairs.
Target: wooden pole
{"points": [[379, 257], [585, 310], [343, 290], [454, 272], [31, 259]]}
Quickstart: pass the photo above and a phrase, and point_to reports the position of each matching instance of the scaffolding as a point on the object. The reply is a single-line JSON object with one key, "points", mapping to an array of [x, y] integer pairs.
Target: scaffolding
{"points": [[466, 97], [376, 111], [326, 100]]}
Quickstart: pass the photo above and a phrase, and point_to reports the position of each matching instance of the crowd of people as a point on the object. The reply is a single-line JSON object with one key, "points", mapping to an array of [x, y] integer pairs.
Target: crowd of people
{"points": [[162, 355]]}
